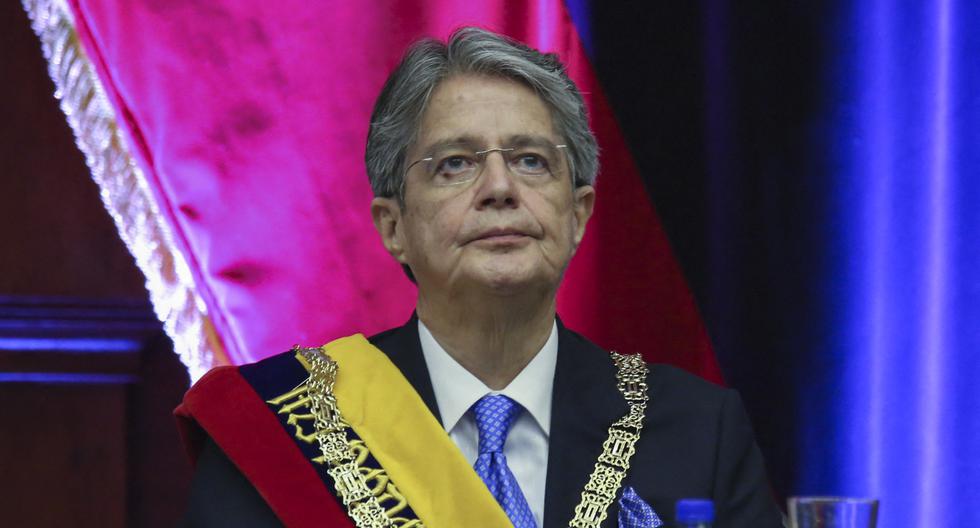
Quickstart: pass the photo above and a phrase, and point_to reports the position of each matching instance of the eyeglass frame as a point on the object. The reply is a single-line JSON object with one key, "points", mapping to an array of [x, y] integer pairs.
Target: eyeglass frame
{"points": [[480, 154]]}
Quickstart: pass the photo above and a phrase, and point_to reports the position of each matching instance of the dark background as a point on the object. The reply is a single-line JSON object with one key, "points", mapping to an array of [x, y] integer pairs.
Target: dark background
{"points": [[70, 450], [721, 107], [721, 104]]}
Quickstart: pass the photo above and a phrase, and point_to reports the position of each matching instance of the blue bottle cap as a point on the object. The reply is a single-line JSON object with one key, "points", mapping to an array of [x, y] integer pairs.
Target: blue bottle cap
{"points": [[695, 510]]}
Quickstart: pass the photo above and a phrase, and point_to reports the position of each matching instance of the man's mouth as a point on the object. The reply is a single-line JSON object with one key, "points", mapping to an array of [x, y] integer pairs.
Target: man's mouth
{"points": [[501, 235]]}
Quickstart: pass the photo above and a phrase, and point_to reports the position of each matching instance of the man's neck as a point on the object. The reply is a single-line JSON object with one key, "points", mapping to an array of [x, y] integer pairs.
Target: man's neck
{"points": [[493, 341]]}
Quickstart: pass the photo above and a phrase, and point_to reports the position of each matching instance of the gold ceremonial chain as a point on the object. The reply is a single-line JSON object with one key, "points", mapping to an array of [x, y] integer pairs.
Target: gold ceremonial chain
{"points": [[361, 489], [614, 462]]}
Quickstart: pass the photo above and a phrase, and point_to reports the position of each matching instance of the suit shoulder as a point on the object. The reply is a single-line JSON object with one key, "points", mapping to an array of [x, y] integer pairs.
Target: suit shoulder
{"points": [[661, 377], [675, 384], [672, 375]]}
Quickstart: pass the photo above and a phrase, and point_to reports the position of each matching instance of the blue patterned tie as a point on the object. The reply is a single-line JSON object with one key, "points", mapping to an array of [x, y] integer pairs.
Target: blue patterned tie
{"points": [[495, 413]]}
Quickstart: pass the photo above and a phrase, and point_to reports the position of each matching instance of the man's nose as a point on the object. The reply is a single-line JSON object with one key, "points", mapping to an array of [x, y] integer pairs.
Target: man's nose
{"points": [[497, 184]]}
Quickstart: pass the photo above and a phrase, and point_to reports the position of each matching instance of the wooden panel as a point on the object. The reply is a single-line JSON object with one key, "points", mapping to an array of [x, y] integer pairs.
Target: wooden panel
{"points": [[100, 447], [86, 432], [64, 454], [158, 471], [55, 236]]}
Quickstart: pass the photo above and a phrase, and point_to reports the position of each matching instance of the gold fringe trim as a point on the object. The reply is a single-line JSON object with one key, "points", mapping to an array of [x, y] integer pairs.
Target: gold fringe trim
{"points": [[125, 192]]}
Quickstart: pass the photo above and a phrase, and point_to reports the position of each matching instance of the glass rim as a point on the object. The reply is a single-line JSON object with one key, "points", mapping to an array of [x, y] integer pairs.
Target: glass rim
{"points": [[831, 499], [555, 170]]}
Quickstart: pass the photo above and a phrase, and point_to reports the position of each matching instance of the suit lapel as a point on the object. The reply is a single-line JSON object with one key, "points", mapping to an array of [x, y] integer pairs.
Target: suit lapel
{"points": [[404, 349], [585, 403]]}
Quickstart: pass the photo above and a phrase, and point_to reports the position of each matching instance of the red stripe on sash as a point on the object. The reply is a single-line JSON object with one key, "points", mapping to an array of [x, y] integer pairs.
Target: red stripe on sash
{"points": [[224, 406]]}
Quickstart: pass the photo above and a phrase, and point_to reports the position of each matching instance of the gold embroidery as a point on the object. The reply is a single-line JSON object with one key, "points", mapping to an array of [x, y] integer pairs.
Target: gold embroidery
{"points": [[371, 498], [619, 447], [373, 501]]}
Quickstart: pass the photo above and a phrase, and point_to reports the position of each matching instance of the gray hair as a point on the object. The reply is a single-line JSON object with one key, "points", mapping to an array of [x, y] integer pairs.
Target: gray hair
{"points": [[398, 111]]}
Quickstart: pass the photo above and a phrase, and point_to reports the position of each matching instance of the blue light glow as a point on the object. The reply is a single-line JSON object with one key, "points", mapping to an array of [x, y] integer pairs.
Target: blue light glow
{"points": [[908, 412], [69, 344], [66, 378]]}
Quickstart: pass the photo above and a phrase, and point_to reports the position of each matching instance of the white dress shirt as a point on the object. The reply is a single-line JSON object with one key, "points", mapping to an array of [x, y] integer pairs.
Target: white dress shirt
{"points": [[526, 448]]}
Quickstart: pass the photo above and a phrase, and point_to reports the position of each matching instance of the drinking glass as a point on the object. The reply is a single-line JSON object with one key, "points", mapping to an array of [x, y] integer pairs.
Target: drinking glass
{"points": [[832, 512]]}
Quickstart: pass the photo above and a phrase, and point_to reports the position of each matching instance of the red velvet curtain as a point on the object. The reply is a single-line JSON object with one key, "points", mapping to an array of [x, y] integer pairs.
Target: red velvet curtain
{"points": [[249, 120]]}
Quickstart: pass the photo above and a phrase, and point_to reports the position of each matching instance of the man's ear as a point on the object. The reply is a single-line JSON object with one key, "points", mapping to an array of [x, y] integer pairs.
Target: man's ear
{"points": [[584, 202], [387, 216]]}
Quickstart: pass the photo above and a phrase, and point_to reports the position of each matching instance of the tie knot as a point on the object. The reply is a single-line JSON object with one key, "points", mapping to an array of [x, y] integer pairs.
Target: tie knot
{"points": [[494, 413]]}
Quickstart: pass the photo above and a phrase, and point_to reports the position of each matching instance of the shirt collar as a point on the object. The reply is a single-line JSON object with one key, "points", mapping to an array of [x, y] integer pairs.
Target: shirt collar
{"points": [[456, 389]]}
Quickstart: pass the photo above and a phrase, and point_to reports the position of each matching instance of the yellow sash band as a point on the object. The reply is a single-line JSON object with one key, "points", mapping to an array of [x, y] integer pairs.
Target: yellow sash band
{"points": [[407, 440]]}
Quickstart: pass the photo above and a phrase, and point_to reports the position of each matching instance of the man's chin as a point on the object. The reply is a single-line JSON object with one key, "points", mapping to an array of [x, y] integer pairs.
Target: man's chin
{"points": [[513, 281]]}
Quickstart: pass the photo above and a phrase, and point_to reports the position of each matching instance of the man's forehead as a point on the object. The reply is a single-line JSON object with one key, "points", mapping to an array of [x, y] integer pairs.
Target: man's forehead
{"points": [[475, 110], [466, 87]]}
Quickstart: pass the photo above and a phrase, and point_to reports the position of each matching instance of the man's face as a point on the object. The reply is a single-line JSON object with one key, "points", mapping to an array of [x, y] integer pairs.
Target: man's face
{"points": [[500, 233]]}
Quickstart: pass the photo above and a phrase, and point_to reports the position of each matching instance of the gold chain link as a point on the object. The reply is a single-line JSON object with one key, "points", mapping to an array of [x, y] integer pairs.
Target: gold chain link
{"points": [[614, 462]]}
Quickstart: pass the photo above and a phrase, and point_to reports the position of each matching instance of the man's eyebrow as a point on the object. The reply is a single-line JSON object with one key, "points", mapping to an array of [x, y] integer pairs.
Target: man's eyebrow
{"points": [[522, 140], [458, 141], [468, 141]]}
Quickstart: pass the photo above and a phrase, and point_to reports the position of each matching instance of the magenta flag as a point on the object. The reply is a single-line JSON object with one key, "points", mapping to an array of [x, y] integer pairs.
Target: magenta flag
{"points": [[248, 119]]}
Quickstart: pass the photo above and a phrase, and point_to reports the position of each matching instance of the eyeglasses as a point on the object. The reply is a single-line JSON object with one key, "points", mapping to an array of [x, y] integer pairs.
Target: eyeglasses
{"points": [[455, 165]]}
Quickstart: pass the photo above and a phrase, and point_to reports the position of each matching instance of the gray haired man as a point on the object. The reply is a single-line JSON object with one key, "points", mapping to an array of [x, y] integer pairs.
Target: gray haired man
{"points": [[482, 165]]}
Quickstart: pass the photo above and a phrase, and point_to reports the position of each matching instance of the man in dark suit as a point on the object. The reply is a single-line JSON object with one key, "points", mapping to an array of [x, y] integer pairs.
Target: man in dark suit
{"points": [[482, 165]]}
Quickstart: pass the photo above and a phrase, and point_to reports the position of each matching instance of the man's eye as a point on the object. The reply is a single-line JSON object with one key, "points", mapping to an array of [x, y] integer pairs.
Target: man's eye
{"points": [[453, 167], [530, 163], [455, 163]]}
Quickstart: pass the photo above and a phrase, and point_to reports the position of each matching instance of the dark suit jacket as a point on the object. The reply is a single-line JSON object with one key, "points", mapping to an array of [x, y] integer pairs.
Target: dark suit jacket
{"points": [[696, 442]]}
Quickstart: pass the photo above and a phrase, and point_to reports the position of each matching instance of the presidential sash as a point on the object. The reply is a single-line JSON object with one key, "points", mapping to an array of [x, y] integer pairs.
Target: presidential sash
{"points": [[336, 436], [387, 414], [395, 448]]}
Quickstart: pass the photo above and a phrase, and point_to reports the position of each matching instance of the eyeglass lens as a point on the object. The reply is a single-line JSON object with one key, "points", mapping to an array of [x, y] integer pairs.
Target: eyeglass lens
{"points": [[455, 165]]}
